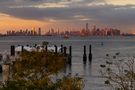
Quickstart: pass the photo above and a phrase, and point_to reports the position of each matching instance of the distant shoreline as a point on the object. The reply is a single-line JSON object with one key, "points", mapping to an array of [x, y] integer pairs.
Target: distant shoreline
{"points": [[69, 35]]}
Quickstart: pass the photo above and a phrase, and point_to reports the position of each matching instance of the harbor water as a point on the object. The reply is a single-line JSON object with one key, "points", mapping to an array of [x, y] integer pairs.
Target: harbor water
{"points": [[100, 47]]}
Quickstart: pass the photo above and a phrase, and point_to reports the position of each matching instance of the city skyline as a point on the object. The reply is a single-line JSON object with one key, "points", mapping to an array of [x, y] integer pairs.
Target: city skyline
{"points": [[86, 31], [62, 14]]}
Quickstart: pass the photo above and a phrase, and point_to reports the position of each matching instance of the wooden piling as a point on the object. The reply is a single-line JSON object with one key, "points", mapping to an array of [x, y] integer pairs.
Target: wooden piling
{"points": [[46, 48], [22, 48], [55, 49], [0, 68], [12, 50], [70, 54], [61, 48], [90, 54], [84, 54], [35, 45], [65, 51]]}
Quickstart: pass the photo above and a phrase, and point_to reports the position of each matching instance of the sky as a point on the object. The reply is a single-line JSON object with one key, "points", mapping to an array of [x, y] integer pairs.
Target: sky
{"points": [[67, 14]]}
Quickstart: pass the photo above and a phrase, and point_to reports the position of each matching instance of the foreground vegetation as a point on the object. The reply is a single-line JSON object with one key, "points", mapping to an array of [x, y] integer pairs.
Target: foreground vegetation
{"points": [[39, 70], [119, 72]]}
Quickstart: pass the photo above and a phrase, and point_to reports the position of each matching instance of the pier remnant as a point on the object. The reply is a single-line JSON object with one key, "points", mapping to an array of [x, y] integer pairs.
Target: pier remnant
{"points": [[35, 45], [12, 50], [1, 57], [65, 51], [55, 49], [46, 48], [61, 48], [22, 48], [90, 54], [70, 54], [84, 54], [0, 69]]}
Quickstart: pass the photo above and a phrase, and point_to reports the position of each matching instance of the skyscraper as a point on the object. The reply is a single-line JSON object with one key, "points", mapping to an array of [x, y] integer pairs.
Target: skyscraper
{"points": [[87, 27], [39, 31]]}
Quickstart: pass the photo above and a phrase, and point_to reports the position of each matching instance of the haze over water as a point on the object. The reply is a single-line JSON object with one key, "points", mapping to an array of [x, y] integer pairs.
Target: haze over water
{"points": [[111, 45]]}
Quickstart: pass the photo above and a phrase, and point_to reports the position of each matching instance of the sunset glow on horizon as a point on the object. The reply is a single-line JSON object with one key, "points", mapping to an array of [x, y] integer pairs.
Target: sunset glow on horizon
{"points": [[23, 14], [12, 23]]}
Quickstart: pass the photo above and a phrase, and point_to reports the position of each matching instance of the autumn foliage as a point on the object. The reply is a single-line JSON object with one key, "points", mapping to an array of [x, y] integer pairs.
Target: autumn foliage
{"points": [[34, 70]]}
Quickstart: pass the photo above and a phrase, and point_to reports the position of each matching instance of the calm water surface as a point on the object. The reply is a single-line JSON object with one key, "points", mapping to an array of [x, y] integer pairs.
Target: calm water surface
{"points": [[111, 45]]}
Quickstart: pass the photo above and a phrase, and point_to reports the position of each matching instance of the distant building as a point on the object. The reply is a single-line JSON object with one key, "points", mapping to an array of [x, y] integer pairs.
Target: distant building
{"points": [[39, 31], [95, 31], [87, 27], [26, 32]]}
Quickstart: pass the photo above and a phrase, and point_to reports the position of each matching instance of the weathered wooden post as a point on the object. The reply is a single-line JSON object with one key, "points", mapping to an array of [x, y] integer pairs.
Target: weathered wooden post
{"points": [[0, 68], [65, 51], [84, 54], [70, 54], [90, 54], [61, 48], [1, 57], [12, 50], [6, 71], [55, 49], [35, 45], [22, 48], [46, 48]]}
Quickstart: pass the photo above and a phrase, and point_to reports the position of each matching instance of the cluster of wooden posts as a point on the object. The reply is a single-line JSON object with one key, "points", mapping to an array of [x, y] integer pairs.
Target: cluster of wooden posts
{"points": [[64, 51], [6, 66], [85, 55], [69, 55]]}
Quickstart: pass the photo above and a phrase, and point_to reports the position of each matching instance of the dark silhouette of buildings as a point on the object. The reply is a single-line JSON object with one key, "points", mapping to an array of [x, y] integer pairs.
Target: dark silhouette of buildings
{"points": [[26, 32], [86, 31]]}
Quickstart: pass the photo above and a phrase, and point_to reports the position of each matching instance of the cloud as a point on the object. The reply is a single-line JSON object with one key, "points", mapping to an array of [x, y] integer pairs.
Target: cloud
{"points": [[94, 11], [120, 2], [102, 13]]}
